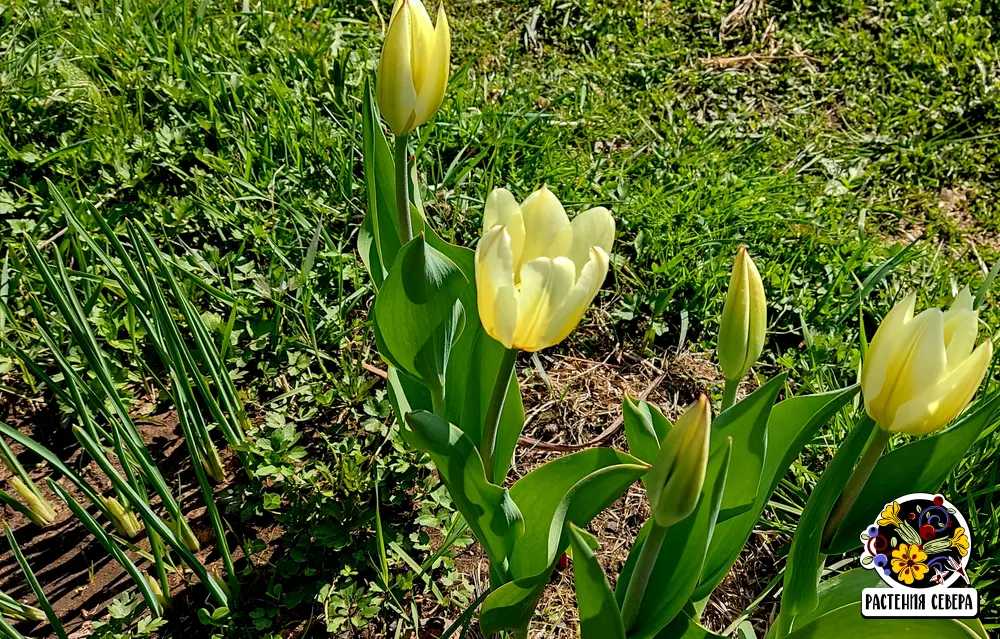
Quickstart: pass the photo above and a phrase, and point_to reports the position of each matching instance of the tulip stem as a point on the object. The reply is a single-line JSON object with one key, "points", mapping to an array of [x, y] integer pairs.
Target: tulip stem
{"points": [[857, 482], [641, 573], [437, 401], [729, 395], [487, 445], [403, 190]]}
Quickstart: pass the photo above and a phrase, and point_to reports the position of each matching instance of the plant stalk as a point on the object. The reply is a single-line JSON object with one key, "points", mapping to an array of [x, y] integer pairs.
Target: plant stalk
{"points": [[437, 401], [856, 483], [641, 574], [729, 395], [488, 443], [402, 191]]}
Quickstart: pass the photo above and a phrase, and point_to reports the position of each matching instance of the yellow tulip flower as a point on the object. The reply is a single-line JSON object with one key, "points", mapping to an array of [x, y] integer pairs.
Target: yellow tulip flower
{"points": [[744, 319], [921, 372], [537, 272], [413, 69]]}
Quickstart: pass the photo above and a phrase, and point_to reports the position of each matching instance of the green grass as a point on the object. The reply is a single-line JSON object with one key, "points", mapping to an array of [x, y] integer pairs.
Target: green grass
{"points": [[234, 138]]}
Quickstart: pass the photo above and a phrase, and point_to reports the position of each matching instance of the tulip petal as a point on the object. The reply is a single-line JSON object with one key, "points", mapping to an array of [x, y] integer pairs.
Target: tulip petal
{"points": [[545, 283], [758, 314], [421, 42], [936, 407], [573, 308], [396, 95], [431, 86], [962, 302], [960, 329], [735, 327], [881, 351], [547, 232], [593, 227], [503, 209], [496, 294], [921, 360]]}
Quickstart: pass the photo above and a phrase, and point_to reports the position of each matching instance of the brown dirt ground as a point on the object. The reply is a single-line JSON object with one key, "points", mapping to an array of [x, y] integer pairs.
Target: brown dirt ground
{"points": [[574, 402], [79, 577]]}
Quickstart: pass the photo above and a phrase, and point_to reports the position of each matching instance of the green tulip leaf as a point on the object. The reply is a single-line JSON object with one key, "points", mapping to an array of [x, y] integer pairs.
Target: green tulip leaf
{"points": [[838, 591], [475, 362], [682, 556], [378, 238], [599, 614], [418, 315], [801, 581], [572, 488], [685, 627], [921, 466], [488, 509], [645, 428], [846, 621], [474, 358], [746, 423], [793, 423]]}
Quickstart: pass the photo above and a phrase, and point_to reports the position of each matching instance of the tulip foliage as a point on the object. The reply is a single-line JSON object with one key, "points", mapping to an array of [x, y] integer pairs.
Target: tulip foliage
{"points": [[450, 322]]}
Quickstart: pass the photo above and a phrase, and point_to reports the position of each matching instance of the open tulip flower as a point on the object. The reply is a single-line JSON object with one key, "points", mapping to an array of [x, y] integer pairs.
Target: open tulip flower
{"points": [[413, 69], [920, 372], [536, 271]]}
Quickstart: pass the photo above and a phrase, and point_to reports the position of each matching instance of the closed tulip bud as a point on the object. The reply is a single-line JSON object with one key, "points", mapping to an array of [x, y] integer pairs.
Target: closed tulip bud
{"points": [[124, 521], [537, 272], [42, 513], [413, 70], [744, 319], [678, 473], [921, 372]]}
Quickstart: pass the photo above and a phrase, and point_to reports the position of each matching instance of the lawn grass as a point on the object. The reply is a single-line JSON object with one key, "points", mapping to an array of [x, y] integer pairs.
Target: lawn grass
{"points": [[829, 137]]}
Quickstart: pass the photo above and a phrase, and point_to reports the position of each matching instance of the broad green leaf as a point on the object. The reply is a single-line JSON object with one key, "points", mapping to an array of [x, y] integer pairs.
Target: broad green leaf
{"points": [[475, 355], [417, 312], [378, 239], [685, 627], [838, 591], [793, 423], [746, 423], [801, 581], [572, 488], [645, 428], [475, 361], [682, 556], [489, 510], [599, 614], [847, 621], [920, 466], [575, 488]]}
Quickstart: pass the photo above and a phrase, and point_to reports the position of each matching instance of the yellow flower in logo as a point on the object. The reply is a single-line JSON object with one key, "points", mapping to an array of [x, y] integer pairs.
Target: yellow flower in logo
{"points": [[908, 562], [890, 516], [960, 541]]}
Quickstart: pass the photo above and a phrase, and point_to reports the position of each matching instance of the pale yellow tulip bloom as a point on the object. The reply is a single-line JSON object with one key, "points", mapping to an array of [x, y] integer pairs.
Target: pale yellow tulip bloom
{"points": [[921, 372], [744, 319], [537, 272], [413, 69]]}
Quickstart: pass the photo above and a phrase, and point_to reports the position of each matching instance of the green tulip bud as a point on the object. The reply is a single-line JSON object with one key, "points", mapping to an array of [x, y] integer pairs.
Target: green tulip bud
{"points": [[678, 473], [744, 319]]}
